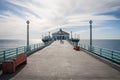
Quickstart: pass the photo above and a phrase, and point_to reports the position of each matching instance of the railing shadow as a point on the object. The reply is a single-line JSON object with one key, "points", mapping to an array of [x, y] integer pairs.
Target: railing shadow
{"points": [[11, 75]]}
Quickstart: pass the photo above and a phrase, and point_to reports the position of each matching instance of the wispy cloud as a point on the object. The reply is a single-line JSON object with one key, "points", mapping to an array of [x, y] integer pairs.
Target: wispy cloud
{"points": [[94, 29], [85, 34], [45, 15]]}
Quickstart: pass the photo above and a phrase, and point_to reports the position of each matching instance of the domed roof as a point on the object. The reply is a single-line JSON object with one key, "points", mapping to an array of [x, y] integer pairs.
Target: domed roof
{"points": [[61, 32]]}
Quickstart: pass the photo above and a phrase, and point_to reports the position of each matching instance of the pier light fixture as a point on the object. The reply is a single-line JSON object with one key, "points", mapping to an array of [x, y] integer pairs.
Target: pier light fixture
{"points": [[71, 34], [90, 34], [28, 22], [49, 34]]}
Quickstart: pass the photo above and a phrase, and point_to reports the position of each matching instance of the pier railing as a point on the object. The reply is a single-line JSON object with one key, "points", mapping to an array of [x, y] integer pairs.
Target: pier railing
{"points": [[10, 53], [105, 53], [111, 55]]}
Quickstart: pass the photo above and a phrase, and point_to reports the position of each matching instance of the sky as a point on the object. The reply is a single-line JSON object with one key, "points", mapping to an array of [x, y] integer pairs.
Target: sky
{"points": [[51, 15]]}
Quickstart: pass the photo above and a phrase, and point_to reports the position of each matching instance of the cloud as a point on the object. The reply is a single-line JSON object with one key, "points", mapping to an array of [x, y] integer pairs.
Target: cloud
{"points": [[84, 34], [45, 15], [94, 29]]}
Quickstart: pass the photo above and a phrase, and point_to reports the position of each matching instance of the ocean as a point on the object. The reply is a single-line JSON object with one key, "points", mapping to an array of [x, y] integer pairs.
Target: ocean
{"points": [[13, 43], [108, 44]]}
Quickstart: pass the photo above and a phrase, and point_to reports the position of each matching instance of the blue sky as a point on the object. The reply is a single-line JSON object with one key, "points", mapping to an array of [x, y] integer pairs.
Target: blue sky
{"points": [[51, 15]]}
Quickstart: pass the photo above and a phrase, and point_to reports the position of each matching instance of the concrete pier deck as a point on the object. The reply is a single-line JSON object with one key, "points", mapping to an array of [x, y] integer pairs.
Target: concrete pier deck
{"points": [[61, 62]]}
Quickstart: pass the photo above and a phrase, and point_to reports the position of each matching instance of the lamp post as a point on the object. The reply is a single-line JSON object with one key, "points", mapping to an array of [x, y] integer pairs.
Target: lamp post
{"points": [[27, 34], [49, 34], [90, 33], [71, 34]]}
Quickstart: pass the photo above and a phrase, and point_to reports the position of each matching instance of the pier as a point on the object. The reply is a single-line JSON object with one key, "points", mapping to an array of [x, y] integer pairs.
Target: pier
{"points": [[61, 62]]}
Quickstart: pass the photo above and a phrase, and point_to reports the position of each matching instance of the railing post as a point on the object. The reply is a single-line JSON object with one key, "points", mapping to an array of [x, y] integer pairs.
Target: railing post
{"points": [[88, 48], [24, 49], [100, 51], [84, 46], [4, 55], [112, 55], [16, 51], [92, 49], [34, 46], [37, 46], [29, 47]]}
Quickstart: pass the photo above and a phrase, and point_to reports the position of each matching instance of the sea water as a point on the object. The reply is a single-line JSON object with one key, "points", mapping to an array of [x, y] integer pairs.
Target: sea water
{"points": [[108, 44], [14, 43]]}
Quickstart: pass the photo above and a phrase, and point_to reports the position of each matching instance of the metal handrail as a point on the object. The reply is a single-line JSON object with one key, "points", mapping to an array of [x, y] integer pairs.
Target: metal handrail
{"points": [[103, 52], [10, 53], [111, 55], [13, 52]]}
